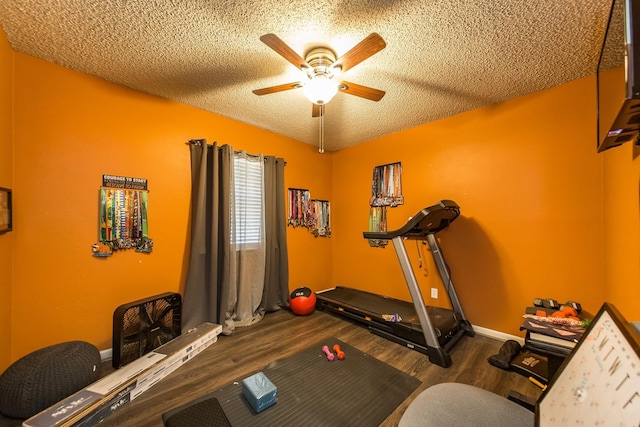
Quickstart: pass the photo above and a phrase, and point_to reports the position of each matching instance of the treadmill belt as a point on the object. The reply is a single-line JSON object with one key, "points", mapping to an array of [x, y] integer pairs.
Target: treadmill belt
{"points": [[370, 303], [368, 308]]}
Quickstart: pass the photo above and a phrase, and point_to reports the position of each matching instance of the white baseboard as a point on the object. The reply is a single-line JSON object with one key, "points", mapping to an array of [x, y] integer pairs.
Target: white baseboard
{"points": [[106, 354], [501, 336]]}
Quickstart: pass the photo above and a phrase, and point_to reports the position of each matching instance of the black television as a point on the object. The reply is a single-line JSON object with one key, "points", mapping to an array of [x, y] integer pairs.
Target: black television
{"points": [[618, 77]]}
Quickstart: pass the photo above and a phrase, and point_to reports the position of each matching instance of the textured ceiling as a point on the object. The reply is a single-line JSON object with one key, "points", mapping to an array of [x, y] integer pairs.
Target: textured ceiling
{"points": [[443, 57]]}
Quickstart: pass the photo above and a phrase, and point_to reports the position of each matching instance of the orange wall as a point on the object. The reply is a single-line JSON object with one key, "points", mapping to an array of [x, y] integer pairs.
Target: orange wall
{"points": [[524, 172], [528, 180], [621, 207], [71, 129], [6, 180], [622, 228]]}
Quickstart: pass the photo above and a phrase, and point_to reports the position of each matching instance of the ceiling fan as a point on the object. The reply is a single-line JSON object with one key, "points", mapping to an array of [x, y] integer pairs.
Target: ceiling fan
{"points": [[321, 69]]}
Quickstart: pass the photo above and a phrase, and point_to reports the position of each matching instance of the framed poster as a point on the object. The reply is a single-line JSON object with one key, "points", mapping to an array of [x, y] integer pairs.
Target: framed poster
{"points": [[5, 210]]}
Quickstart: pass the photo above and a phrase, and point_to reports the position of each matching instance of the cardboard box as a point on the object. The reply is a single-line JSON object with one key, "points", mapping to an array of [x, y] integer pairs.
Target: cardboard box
{"points": [[259, 392], [159, 371], [107, 395]]}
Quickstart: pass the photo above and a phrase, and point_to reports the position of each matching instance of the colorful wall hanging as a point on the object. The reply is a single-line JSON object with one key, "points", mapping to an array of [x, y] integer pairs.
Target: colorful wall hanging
{"points": [[386, 191], [122, 222], [378, 222], [311, 214], [386, 185], [299, 214], [320, 215]]}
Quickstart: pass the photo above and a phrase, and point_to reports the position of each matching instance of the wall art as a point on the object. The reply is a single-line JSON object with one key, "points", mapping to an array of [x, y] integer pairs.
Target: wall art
{"points": [[122, 218], [312, 214], [6, 220], [299, 214]]}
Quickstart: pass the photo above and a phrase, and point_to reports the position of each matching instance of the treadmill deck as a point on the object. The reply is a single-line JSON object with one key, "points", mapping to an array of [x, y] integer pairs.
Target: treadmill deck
{"points": [[368, 308]]}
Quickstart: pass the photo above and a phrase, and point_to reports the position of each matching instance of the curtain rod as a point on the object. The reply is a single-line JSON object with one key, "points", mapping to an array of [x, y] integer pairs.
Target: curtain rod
{"points": [[196, 142], [201, 141]]}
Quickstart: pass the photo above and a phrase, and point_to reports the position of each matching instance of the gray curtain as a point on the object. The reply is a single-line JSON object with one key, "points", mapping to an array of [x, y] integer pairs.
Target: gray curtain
{"points": [[213, 261], [276, 277]]}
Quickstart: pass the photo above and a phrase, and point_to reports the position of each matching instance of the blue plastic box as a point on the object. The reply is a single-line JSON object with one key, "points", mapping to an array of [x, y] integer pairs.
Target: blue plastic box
{"points": [[259, 392]]}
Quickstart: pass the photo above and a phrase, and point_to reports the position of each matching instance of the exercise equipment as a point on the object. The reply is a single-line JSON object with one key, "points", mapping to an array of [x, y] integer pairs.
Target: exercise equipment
{"points": [[553, 304], [302, 301], [546, 303], [339, 352], [330, 356], [430, 330]]}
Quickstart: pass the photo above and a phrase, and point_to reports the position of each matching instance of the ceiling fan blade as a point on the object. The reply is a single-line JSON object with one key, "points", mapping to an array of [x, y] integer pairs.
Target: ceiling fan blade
{"points": [[275, 43], [317, 110], [363, 50], [361, 91], [279, 88]]}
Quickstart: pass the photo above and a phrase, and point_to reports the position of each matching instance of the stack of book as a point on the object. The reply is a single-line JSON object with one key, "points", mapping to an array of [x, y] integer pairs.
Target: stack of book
{"points": [[549, 340], [552, 335], [549, 343]]}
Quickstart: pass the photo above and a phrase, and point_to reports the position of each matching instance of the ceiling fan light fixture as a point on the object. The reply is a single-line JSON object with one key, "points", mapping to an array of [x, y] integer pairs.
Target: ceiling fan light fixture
{"points": [[320, 89], [320, 69]]}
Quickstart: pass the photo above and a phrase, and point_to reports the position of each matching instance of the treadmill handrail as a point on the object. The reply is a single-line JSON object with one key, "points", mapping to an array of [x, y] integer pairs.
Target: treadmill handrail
{"points": [[429, 220]]}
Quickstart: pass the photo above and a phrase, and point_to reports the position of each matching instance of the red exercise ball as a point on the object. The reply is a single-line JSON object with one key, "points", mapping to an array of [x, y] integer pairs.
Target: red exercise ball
{"points": [[303, 301]]}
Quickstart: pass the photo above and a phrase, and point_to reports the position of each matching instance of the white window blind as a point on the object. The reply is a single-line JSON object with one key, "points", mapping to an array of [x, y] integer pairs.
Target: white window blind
{"points": [[248, 199]]}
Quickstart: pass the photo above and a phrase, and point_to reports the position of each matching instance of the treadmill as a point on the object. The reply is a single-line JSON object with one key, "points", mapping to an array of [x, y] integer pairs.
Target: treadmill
{"points": [[429, 330]]}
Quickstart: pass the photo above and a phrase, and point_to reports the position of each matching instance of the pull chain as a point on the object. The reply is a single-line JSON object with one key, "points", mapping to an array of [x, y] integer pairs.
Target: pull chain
{"points": [[321, 131]]}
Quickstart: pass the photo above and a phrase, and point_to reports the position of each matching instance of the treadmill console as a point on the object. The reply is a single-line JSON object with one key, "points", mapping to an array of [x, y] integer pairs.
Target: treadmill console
{"points": [[428, 221]]}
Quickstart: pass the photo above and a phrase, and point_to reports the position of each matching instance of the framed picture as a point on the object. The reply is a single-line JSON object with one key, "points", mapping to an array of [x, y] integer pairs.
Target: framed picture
{"points": [[5, 210]]}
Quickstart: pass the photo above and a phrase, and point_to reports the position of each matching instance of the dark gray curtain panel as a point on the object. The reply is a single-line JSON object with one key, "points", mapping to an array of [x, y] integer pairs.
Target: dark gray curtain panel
{"points": [[205, 293], [276, 280], [212, 261]]}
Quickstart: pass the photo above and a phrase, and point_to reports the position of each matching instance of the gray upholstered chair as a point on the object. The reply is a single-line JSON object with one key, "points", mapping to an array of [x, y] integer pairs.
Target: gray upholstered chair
{"points": [[453, 404]]}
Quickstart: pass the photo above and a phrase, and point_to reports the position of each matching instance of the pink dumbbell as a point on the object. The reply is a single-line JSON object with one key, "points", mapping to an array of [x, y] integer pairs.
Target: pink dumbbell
{"points": [[326, 351]]}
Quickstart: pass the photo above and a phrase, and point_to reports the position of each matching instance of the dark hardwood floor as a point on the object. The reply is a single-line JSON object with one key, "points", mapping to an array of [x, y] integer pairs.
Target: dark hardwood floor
{"points": [[282, 334]]}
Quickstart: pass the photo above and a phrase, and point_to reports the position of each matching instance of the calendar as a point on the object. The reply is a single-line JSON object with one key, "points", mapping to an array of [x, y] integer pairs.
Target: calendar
{"points": [[599, 384]]}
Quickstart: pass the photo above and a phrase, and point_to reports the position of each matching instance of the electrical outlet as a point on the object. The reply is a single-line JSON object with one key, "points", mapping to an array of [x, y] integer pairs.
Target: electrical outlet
{"points": [[434, 293]]}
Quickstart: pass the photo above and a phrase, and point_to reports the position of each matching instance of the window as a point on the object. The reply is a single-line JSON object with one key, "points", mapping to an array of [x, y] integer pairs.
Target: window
{"points": [[248, 199]]}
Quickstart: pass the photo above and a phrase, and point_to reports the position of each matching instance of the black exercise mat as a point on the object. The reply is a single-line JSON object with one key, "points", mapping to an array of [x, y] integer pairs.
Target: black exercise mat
{"points": [[205, 411], [312, 391]]}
